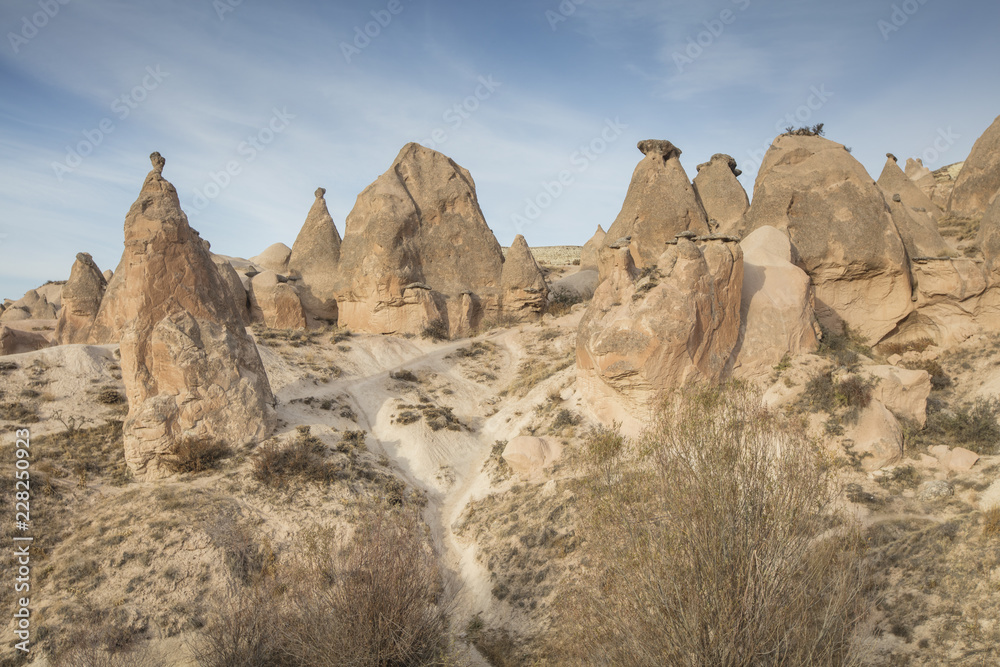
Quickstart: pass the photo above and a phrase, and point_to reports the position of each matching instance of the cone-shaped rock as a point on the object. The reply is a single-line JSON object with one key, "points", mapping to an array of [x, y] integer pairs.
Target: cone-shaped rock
{"points": [[314, 259], [190, 368], [33, 305], [414, 242], [921, 176], [660, 203], [81, 299], [837, 218], [721, 194], [525, 292], [913, 212], [589, 252], [649, 331], [979, 181]]}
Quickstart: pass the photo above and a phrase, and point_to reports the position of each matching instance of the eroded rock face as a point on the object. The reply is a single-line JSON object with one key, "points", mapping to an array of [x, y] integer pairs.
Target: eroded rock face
{"points": [[921, 176], [414, 245], [838, 220], [989, 240], [979, 181], [275, 304], [589, 252], [776, 308], [660, 203], [81, 298], [913, 212], [33, 305], [525, 292], [647, 331], [17, 341], [234, 286], [314, 260], [189, 367], [721, 194]]}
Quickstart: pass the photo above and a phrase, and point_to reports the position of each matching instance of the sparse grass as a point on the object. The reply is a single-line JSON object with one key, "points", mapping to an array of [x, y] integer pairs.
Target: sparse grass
{"points": [[19, 413], [404, 376], [304, 458], [991, 521], [939, 378], [843, 348], [891, 348], [962, 229], [110, 396], [844, 398], [531, 373]]}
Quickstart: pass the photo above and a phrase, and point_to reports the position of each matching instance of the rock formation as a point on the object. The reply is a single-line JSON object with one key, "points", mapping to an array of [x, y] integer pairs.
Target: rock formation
{"points": [[274, 258], [17, 341], [314, 259], [589, 252], [921, 176], [274, 303], [838, 220], [979, 181], [723, 197], [989, 240], [81, 298], [776, 308], [416, 249], [190, 369], [650, 330], [659, 204], [32, 305], [525, 292], [234, 287], [913, 212]]}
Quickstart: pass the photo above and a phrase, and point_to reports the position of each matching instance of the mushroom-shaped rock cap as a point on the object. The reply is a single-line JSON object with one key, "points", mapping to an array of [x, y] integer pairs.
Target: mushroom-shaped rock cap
{"points": [[659, 147], [320, 192], [158, 162], [892, 157], [729, 160]]}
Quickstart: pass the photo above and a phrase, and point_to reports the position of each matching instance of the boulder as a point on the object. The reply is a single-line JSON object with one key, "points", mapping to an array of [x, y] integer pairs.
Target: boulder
{"points": [[904, 392], [959, 458], [81, 296], [274, 303], [314, 260], [838, 220], [579, 286], [414, 245], [17, 341], [274, 258], [108, 274], [525, 292], [721, 194], [915, 215], [190, 369], [660, 203], [14, 314], [776, 307], [979, 181], [647, 331], [528, 455], [590, 250], [876, 437]]}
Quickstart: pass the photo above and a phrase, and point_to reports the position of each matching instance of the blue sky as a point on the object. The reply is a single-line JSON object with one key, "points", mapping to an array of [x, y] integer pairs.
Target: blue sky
{"points": [[255, 104]]}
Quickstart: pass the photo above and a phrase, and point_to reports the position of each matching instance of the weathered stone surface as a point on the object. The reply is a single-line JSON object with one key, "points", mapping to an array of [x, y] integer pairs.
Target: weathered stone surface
{"points": [[915, 214], [877, 437], [836, 216], [189, 367], [648, 331], [935, 489], [721, 194], [274, 303], [34, 304], [419, 222], [589, 252], [525, 292], [979, 181], [579, 285], [903, 391], [989, 241], [959, 458], [776, 308], [528, 455], [921, 176], [81, 296], [660, 203], [108, 274], [234, 287], [274, 258], [315, 258], [16, 341]]}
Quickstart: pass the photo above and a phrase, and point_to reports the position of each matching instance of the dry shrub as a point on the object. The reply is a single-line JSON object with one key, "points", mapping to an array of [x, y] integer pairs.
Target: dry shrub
{"points": [[711, 544], [373, 599], [991, 521], [435, 330], [197, 454], [304, 458], [562, 301]]}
